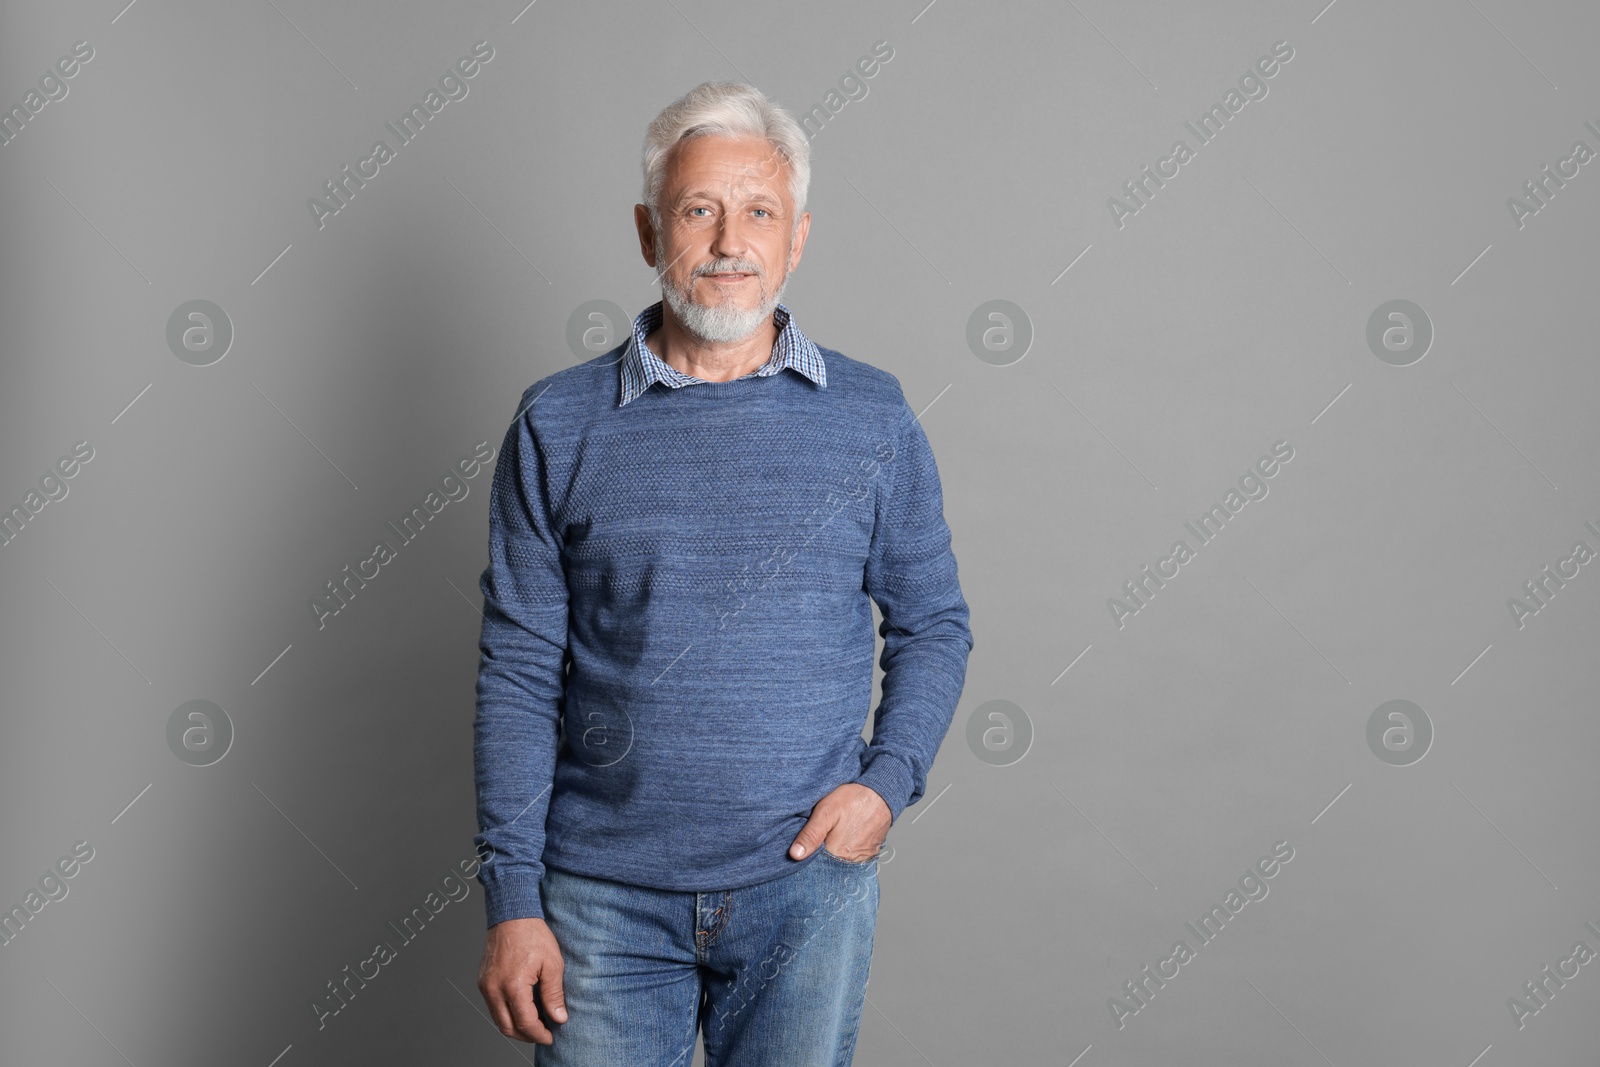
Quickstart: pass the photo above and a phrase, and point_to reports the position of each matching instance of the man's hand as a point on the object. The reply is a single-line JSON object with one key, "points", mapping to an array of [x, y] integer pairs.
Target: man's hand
{"points": [[852, 820], [518, 954]]}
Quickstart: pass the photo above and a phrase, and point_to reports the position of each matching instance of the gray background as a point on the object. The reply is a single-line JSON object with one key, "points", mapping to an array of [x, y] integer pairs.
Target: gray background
{"points": [[1227, 315]]}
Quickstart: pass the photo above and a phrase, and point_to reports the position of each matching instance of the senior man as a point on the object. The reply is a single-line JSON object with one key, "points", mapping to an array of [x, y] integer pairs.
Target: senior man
{"points": [[677, 644]]}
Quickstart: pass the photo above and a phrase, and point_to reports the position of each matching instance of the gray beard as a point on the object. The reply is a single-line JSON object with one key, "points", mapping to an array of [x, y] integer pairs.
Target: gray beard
{"points": [[722, 323]]}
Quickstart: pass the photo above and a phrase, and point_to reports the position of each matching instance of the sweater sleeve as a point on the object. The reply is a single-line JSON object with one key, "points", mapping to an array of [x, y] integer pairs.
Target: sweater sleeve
{"points": [[521, 678], [911, 575]]}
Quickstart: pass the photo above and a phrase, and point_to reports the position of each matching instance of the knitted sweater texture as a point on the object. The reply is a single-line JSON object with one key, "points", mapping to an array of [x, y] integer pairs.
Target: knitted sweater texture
{"points": [[677, 643]]}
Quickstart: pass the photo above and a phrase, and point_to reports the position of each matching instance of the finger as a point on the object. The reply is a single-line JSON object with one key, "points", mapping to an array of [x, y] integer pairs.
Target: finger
{"points": [[527, 1024], [809, 837], [497, 1009], [552, 995]]}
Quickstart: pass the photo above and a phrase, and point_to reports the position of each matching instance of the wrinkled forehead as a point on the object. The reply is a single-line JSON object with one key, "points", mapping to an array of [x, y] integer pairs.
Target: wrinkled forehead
{"points": [[719, 167]]}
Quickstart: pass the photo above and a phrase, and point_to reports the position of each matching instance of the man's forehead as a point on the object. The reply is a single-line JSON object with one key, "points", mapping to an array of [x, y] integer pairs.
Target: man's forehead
{"points": [[749, 167], [733, 188]]}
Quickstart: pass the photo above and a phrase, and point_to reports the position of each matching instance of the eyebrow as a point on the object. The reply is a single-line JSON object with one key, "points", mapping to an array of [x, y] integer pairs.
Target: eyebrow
{"points": [[706, 195]]}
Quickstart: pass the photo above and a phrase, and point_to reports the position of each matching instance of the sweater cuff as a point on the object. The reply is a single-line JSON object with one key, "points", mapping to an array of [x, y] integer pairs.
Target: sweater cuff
{"points": [[890, 778], [511, 892]]}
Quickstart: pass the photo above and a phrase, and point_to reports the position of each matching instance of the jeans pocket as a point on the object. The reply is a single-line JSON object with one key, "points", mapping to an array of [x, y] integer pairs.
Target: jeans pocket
{"points": [[869, 861]]}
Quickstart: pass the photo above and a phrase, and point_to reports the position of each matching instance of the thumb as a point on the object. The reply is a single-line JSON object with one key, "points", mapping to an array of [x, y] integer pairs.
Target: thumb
{"points": [[551, 993], [809, 838]]}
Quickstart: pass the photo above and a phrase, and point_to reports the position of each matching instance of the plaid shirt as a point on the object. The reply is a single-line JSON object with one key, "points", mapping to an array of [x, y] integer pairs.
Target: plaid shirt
{"points": [[641, 367]]}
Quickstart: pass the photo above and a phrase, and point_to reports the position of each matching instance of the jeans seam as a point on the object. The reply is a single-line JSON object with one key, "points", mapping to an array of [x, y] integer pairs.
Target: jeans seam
{"points": [[705, 938]]}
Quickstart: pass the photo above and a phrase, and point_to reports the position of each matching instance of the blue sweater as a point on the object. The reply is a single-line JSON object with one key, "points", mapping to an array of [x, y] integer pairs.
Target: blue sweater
{"points": [[676, 653]]}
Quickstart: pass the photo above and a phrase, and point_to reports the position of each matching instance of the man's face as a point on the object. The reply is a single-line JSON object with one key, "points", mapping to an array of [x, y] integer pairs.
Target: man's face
{"points": [[727, 238]]}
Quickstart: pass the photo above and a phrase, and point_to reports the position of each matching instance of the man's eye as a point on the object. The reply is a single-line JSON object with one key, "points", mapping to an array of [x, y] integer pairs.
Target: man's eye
{"points": [[763, 211], [694, 209]]}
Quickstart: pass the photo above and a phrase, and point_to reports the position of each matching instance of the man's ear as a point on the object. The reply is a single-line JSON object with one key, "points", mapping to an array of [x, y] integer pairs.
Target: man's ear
{"points": [[801, 230], [647, 234]]}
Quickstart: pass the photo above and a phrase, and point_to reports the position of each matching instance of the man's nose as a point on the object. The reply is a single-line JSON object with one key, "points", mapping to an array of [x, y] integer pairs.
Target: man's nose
{"points": [[732, 239]]}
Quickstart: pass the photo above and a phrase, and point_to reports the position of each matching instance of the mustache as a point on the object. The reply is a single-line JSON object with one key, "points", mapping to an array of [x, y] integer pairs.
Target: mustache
{"points": [[729, 266]]}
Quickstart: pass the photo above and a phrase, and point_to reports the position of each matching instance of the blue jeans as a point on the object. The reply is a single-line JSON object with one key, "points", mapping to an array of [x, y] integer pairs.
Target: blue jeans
{"points": [[773, 973]]}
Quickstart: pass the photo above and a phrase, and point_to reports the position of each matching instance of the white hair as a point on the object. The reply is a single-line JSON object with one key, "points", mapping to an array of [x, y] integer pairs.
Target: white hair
{"points": [[727, 109]]}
